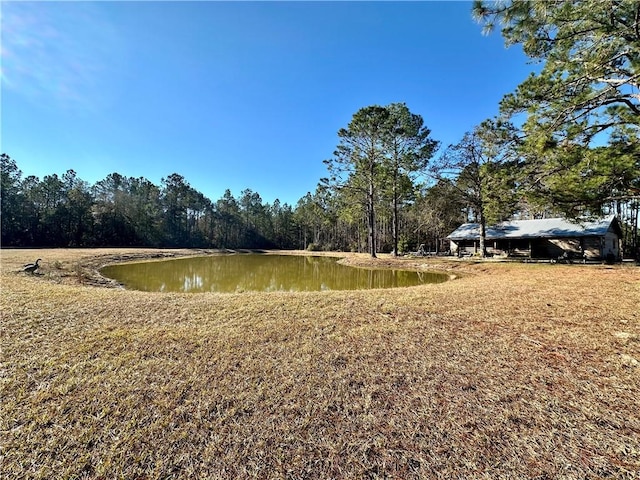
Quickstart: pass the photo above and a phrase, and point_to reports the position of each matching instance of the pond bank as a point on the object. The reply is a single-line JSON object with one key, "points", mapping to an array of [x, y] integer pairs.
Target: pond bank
{"points": [[82, 266]]}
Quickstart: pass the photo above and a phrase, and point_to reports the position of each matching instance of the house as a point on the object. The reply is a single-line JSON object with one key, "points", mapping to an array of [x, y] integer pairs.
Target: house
{"points": [[544, 238]]}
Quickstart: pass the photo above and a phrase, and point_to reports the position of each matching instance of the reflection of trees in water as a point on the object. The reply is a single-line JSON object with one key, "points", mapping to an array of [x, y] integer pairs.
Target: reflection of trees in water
{"points": [[253, 272]]}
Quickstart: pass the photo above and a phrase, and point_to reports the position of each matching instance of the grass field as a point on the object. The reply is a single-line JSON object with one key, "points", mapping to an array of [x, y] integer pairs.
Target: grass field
{"points": [[508, 371]]}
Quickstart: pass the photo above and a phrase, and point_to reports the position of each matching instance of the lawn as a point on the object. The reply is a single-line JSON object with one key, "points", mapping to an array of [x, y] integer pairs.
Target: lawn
{"points": [[507, 371]]}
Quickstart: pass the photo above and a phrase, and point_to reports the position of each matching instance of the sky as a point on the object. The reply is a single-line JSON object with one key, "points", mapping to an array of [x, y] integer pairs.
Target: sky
{"points": [[234, 95]]}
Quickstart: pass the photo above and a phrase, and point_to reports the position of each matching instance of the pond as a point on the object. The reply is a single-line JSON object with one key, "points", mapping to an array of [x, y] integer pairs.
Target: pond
{"points": [[255, 272]]}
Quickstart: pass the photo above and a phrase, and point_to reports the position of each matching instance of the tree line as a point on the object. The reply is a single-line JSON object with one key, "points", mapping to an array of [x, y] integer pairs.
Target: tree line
{"points": [[66, 211], [125, 211], [565, 143]]}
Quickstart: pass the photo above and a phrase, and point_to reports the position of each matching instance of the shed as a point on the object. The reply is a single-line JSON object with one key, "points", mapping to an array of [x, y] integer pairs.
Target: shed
{"points": [[544, 238]]}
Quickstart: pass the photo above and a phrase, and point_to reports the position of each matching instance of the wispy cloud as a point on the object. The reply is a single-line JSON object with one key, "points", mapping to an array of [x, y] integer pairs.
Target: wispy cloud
{"points": [[58, 54]]}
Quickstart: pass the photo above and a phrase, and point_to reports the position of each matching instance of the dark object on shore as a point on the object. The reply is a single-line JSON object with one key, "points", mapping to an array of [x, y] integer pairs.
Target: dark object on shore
{"points": [[32, 267]]}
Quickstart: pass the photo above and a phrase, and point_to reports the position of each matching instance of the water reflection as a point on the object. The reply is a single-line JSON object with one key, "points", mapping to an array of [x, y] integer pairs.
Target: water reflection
{"points": [[268, 273]]}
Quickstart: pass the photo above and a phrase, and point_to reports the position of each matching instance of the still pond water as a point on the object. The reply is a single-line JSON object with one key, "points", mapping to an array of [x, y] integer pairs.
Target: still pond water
{"points": [[254, 272]]}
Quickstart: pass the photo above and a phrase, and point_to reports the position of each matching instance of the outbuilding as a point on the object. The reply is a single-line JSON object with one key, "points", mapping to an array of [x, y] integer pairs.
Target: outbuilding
{"points": [[551, 238]]}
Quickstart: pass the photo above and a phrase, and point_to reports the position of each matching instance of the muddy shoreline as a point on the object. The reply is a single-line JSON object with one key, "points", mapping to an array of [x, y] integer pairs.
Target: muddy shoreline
{"points": [[85, 269]]}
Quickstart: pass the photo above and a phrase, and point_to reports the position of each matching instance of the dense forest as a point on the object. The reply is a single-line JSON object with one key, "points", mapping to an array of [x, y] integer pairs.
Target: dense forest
{"points": [[390, 186], [63, 210]]}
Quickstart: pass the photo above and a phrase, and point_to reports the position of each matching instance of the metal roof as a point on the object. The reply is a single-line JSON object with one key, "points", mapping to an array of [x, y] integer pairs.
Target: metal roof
{"points": [[542, 228]]}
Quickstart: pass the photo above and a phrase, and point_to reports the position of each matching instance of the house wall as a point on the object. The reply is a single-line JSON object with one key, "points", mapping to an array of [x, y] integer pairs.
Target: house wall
{"points": [[460, 247], [589, 248], [556, 247], [516, 247], [611, 245], [593, 248]]}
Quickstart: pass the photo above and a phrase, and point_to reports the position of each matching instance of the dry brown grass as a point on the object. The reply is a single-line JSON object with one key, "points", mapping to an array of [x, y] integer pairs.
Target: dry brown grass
{"points": [[511, 371]]}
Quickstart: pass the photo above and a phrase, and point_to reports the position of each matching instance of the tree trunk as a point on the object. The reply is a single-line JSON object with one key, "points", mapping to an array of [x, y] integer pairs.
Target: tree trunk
{"points": [[483, 234], [635, 213], [394, 226], [372, 230], [371, 217]]}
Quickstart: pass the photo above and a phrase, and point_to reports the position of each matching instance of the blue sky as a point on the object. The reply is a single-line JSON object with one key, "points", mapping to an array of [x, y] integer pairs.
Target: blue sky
{"points": [[234, 94]]}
